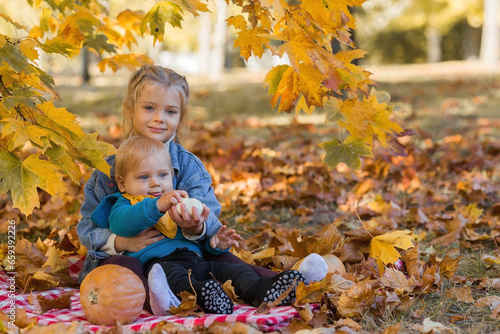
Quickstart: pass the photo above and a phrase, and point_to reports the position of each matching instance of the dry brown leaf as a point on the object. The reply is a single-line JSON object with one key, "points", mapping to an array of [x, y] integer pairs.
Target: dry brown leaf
{"points": [[463, 294], [493, 302], [339, 284], [168, 327], [229, 290], [448, 266], [76, 327], [311, 293], [41, 281], [412, 263], [55, 261], [306, 313], [456, 318], [492, 283], [358, 299], [231, 328], [392, 329], [433, 327], [63, 301], [28, 255], [396, 280], [187, 307], [22, 320]]}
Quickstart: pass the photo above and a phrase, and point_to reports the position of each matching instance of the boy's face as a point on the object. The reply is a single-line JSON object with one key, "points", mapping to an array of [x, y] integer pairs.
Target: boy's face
{"points": [[157, 112], [152, 177]]}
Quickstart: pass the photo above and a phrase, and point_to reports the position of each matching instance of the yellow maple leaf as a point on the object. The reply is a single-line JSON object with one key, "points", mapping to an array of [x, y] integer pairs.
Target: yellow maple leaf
{"points": [[16, 24], [19, 133], [28, 48], [59, 120], [130, 61], [251, 41], [193, 6], [55, 261], [472, 212], [347, 152], [157, 16], [357, 114], [309, 79], [279, 7], [382, 247], [238, 22], [130, 19], [287, 90], [302, 105], [95, 151], [23, 177], [323, 14], [70, 32]]}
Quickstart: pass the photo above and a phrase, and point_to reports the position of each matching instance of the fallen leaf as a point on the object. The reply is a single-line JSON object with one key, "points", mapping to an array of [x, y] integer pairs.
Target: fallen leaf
{"points": [[358, 299], [396, 280], [383, 247], [432, 327], [448, 266], [463, 294], [493, 302], [22, 320]]}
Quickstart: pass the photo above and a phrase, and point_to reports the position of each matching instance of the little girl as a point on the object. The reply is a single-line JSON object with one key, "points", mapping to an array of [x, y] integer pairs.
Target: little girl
{"points": [[155, 106]]}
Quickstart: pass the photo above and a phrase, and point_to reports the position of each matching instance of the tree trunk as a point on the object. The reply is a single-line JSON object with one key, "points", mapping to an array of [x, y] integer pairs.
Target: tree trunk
{"points": [[433, 45], [204, 42], [219, 42], [85, 65], [490, 36]]}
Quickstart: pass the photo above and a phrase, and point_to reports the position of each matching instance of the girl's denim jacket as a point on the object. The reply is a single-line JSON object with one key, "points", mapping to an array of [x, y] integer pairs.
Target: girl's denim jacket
{"points": [[189, 174]]}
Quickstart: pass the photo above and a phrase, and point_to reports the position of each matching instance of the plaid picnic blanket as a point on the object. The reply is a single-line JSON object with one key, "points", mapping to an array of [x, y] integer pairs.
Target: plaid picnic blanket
{"points": [[277, 318]]}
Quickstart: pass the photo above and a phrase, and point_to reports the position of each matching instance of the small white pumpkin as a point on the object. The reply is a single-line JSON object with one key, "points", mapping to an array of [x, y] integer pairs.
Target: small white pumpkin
{"points": [[313, 267], [190, 203]]}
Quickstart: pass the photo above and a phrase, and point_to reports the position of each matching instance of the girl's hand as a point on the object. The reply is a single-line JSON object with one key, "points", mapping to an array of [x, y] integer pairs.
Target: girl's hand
{"points": [[225, 238], [170, 199], [190, 225], [134, 244]]}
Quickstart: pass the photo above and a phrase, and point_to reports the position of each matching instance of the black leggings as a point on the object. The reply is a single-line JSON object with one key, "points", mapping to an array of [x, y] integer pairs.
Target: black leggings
{"points": [[186, 270]]}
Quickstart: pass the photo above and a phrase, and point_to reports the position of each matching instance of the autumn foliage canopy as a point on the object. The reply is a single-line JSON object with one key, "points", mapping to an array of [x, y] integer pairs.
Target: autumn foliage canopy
{"points": [[42, 144]]}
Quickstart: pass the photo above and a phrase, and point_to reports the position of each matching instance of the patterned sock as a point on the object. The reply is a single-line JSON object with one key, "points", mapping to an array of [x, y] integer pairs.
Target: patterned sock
{"points": [[277, 286], [213, 299], [161, 298]]}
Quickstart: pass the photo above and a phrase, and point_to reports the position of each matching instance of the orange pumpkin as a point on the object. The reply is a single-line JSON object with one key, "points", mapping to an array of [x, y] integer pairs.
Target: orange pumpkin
{"points": [[110, 293]]}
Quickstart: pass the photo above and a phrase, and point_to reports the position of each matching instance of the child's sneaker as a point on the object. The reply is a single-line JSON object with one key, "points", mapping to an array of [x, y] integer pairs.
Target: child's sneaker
{"points": [[213, 299], [161, 298], [280, 283]]}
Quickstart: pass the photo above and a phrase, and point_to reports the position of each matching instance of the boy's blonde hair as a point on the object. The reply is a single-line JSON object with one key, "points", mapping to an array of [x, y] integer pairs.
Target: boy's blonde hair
{"points": [[136, 149], [159, 75]]}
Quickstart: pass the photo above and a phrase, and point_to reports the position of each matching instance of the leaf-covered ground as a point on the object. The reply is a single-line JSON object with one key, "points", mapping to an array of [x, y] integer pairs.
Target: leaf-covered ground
{"points": [[268, 174]]}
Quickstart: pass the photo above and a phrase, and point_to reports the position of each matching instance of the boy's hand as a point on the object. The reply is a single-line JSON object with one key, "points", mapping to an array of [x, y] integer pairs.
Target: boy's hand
{"points": [[225, 238], [190, 225], [170, 199], [134, 244]]}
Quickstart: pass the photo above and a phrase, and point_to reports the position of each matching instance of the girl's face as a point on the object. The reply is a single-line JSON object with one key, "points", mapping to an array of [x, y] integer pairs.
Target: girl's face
{"points": [[157, 112]]}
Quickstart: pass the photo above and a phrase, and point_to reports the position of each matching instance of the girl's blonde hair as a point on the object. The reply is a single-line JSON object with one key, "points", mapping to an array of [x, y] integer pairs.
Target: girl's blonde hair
{"points": [[159, 75], [135, 150]]}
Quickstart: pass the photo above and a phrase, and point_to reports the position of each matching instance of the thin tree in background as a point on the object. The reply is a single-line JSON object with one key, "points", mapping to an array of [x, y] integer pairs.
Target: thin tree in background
{"points": [[490, 38]]}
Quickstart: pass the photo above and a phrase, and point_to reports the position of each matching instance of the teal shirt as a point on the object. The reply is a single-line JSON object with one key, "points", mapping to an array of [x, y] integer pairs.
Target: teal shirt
{"points": [[124, 219]]}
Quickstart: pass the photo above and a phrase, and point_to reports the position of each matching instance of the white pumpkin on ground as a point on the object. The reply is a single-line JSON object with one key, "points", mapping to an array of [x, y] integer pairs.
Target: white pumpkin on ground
{"points": [[315, 267]]}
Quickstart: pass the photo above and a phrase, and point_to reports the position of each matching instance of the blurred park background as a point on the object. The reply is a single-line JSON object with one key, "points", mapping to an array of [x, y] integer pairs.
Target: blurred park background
{"points": [[439, 57]]}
